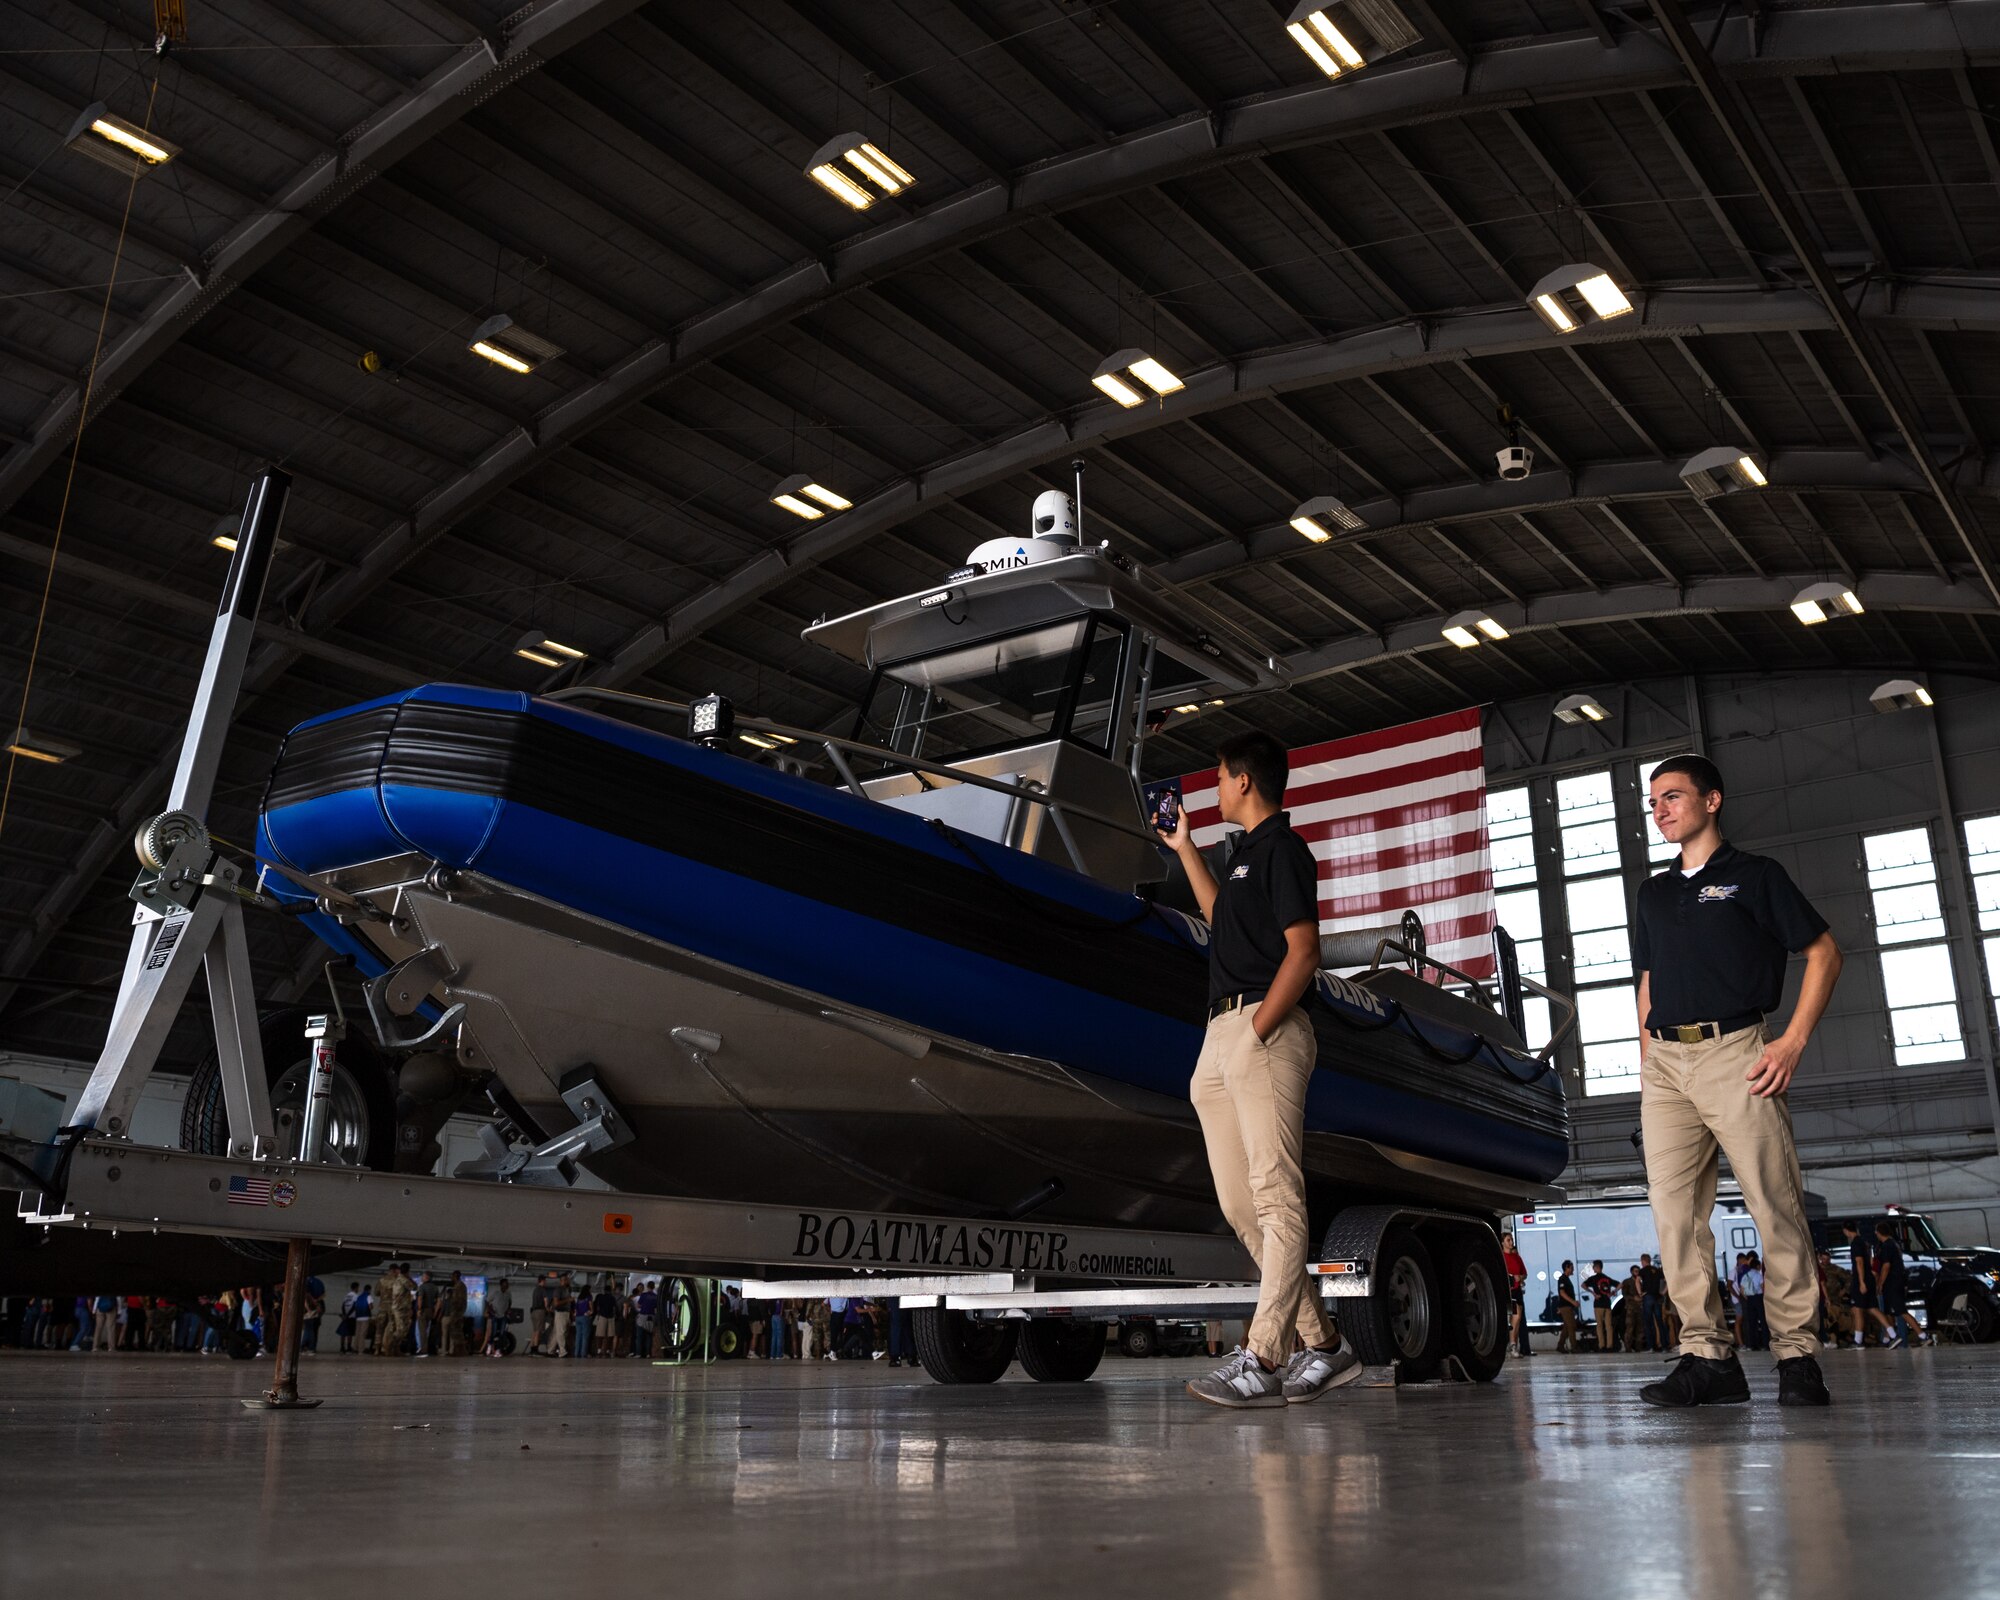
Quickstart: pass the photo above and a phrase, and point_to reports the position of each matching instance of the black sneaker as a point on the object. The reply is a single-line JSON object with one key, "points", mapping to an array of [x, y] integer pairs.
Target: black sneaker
{"points": [[1801, 1384], [1698, 1381]]}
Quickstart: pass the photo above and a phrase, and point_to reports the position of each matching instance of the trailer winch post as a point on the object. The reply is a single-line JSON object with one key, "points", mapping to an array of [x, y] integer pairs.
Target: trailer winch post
{"points": [[283, 1395], [189, 899]]}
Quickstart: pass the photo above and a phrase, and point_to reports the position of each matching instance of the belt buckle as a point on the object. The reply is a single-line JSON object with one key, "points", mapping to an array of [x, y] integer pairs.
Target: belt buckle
{"points": [[1690, 1032]]}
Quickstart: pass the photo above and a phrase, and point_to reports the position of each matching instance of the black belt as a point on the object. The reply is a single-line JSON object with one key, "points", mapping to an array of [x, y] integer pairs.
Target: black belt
{"points": [[1696, 1032], [1235, 1002]]}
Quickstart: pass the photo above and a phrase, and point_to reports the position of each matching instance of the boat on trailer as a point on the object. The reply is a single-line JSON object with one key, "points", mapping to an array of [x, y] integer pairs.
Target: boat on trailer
{"points": [[936, 963]]}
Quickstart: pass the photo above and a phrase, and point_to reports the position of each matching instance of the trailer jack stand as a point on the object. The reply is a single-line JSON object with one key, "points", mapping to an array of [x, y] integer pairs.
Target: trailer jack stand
{"points": [[283, 1395]]}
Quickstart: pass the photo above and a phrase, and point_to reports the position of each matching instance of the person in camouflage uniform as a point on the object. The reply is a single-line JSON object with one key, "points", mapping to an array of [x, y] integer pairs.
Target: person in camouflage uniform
{"points": [[452, 1319], [395, 1303]]}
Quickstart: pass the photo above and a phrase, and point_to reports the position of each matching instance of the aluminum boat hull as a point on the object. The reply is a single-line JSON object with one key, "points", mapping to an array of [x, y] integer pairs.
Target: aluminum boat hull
{"points": [[908, 1019]]}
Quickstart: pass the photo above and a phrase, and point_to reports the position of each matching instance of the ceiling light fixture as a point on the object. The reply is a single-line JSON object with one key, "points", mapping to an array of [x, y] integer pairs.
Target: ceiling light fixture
{"points": [[1722, 469], [538, 647], [1465, 629], [1342, 36], [1578, 294], [1817, 602], [34, 747], [798, 494], [1313, 518], [1147, 369], [866, 157], [501, 342], [759, 740], [1188, 710], [1580, 708], [1900, 694], [118, 144]]}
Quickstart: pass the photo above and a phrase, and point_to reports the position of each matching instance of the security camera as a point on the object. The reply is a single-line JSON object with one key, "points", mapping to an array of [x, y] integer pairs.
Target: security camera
{"points": [[1516, 461], [1054, 517]]}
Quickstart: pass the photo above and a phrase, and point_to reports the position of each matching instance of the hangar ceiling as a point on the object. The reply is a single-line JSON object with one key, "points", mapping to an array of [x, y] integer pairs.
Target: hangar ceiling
{"points": [[1339, 271]]}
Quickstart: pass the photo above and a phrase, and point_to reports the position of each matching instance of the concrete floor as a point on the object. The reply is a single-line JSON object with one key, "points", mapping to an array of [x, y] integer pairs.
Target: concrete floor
{"points": [[537, 1479]]}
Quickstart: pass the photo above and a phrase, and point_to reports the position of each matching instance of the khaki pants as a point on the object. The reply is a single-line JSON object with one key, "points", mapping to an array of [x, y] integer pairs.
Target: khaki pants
{"points": [[1251, 1098], [1605, 1343], [1694, 1101]]}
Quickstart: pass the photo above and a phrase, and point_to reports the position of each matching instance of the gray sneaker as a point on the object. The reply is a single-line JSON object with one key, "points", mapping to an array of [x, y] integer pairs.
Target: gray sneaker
{"points": [[1241, 1382], [1310, 1373]]}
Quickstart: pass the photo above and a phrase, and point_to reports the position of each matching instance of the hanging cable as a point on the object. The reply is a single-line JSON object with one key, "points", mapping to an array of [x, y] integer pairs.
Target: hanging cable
{"points": [[76, 449]]}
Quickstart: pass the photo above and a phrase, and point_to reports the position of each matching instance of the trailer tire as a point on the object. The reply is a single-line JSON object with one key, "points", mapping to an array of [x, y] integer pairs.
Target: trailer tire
{"points": [[1138, 1339], [1402, 1321], [364, 1128], [364, 1132], [1476, 1306], [956, 1349], [1056, 1350]]}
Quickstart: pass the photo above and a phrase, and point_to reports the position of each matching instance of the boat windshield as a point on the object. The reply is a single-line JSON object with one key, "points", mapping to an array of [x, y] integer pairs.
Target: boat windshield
{"points": [[1051, 681]]}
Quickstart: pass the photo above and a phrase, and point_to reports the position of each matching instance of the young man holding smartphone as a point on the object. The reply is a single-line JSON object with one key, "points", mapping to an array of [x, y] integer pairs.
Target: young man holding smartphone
{"points": [[1249, 1085]]}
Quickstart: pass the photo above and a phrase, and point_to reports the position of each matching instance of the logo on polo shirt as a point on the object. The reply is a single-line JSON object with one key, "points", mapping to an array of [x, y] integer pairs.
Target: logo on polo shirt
{"points": [[1242, 871], [1717, 891]]}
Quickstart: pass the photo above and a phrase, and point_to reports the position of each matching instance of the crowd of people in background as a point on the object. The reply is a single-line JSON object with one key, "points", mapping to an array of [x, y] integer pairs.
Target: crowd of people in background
{"points": [[559, 1316], [1636, 1312], [570, 1316], [837, 1329]]}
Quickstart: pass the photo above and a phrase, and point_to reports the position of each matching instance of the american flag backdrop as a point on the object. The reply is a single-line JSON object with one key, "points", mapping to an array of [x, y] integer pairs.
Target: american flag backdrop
{"points": [[1397, 822]]}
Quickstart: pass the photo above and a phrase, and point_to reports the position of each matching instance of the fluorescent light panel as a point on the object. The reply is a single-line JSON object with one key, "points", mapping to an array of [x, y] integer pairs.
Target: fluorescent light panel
{"points": [[1722, 469], [860, 153], [501, 341], [1342, 36], [32, 746], [1576, 294], [113, 142], [1820, 602], [841, 186], [1148, 369], [1580, 708], [1467, 628], [1312, 518], [1118, 389], [798, 494], [1900, 694]]}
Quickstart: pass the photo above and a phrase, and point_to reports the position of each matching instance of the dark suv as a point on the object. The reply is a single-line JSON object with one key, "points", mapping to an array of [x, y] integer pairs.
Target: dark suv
{"points": [[1959, 1285]]}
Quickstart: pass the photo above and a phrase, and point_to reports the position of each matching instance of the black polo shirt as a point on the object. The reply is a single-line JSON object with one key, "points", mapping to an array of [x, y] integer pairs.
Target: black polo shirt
{"points": [[1716, 943], [1890, 1276], [1269, 883]]}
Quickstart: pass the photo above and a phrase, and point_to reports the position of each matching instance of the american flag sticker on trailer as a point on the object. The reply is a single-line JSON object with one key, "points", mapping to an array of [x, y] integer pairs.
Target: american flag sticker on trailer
{"points": [[250, 1191]]}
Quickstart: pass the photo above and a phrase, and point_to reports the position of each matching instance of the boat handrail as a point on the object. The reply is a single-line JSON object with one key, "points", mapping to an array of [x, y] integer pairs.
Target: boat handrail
{"points": [[1418, 958], [837, 749]]}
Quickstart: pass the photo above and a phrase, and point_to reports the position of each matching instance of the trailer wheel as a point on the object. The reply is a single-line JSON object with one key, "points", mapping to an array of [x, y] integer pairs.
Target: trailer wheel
{"points": [[1476, 1305], [1055, 1350], [1402, 1322], [679, 1322], [732, 1338], [956, 1349], [1139, 1339]]}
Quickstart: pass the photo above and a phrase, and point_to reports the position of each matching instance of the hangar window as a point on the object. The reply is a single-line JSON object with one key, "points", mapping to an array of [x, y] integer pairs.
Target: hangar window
{"points": [[1510, 832], [1916, 962], [1982, 859], [1597, 908]]}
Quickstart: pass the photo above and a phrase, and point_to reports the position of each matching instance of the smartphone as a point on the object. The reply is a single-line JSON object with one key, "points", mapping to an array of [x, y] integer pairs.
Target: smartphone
{"points": [[1164, 801]]}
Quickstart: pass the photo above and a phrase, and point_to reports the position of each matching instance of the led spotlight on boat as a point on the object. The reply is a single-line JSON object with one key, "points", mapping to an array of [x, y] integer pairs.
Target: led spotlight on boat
{"points": [[711, 719]]}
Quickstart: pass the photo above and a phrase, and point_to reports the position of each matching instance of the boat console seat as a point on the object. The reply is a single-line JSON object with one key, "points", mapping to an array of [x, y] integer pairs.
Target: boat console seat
{"points": [[1440, 1005]]}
